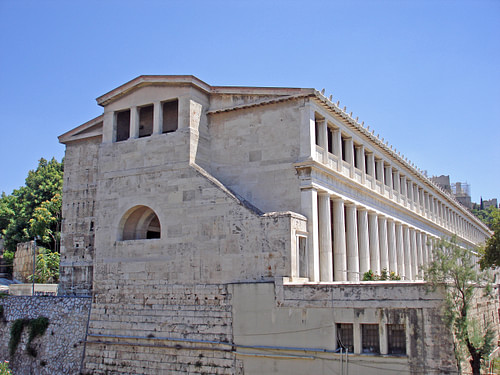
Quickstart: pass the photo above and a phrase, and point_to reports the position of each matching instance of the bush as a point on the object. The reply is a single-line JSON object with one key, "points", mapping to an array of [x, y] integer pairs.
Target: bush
{"points": [[4, 368], [384, 275]]}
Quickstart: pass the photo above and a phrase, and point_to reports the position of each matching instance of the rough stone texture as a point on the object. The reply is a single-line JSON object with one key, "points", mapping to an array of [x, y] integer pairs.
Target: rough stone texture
{"points": [[23, 261], [60, 349], [77, 239]]}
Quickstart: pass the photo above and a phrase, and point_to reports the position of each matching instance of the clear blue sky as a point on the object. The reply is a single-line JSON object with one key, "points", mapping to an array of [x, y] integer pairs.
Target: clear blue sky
{"points": [[424, 74]]}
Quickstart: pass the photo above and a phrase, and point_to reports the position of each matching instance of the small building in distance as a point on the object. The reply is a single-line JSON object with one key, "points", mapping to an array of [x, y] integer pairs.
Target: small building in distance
{"points": [[490, 203], [226, 230]]}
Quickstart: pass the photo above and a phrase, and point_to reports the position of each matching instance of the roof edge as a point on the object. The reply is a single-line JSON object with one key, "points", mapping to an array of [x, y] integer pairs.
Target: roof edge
{"points": [[146, 80], [67, 137]]}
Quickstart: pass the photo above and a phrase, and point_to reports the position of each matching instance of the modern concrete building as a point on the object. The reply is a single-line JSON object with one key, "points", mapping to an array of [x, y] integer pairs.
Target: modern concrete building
{"points": [[227, 230]]}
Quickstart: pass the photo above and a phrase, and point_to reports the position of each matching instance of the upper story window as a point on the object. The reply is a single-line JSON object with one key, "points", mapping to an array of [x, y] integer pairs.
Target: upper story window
{"points": [[170, 116], [145, 121], [139, 122], [122, 125]]}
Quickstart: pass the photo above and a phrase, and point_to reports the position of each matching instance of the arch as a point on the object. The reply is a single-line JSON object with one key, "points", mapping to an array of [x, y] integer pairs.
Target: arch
{"points": [[139, 223]]}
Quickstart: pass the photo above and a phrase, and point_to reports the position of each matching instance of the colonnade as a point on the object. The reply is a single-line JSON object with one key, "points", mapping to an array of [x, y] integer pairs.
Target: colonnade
{"points": [[352, 158], [349, 239]]}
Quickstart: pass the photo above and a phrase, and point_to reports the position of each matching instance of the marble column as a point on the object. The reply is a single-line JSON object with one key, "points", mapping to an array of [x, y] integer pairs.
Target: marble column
{"points": [[374, 242], [391, 244], [363, 241], [400, 250], [339, 244], [413, 252], [360, 155], [352, 243], [157, 118], [337, 147], [325, 238], [370, 168], [425, 249], [134, 122], [382, 237], [420, 254], [309, 201], [407, 251]]}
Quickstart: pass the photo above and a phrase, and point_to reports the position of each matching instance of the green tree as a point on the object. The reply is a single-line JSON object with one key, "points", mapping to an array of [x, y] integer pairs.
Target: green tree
{"points": [[46, 220], [47, 267], [490, 256], [17, 209], [454, 269], [489, 216]]}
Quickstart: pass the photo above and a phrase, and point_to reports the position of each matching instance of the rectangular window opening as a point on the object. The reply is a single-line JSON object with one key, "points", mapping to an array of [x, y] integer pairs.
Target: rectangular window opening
{"points": [[345, 337], [366, 163], [317, 129], [146, 121], [302, 256], [170, 116], [396, 339], [123, 125], [370, 342], [344, 140], [356, 159], [330, 139]]}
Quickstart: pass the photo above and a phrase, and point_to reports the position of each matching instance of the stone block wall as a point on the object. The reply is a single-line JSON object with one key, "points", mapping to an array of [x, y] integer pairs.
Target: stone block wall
{"points": [[78, 225], [23, 261], [156, 327], [252, 153], [60, 349]]}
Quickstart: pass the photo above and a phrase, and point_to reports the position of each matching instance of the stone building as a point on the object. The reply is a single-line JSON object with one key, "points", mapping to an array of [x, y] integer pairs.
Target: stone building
{"points": [[226, 230]]}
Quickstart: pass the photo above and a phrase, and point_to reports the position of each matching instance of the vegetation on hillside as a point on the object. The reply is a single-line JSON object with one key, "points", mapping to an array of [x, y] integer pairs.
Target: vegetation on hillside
{"points": [[34, 211], [454, 269]]}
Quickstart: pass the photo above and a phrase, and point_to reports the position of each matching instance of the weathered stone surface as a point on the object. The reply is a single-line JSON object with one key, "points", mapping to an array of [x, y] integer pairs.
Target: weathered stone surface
{"points": [[60, 349], [23, 261]]}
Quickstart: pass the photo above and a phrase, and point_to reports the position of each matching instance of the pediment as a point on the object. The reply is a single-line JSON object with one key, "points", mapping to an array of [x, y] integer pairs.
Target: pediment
{"points": [[90, 129]]}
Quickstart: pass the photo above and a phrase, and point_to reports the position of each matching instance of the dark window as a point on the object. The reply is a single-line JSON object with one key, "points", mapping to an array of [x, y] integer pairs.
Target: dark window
{"points": [[396, 339], [170, 116], [302, 256], [357, 162], [330, 139], [343, 148], [370, 342], [123, 125], [345, 337], [316, 131], [145, 121], [366, 163]]}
